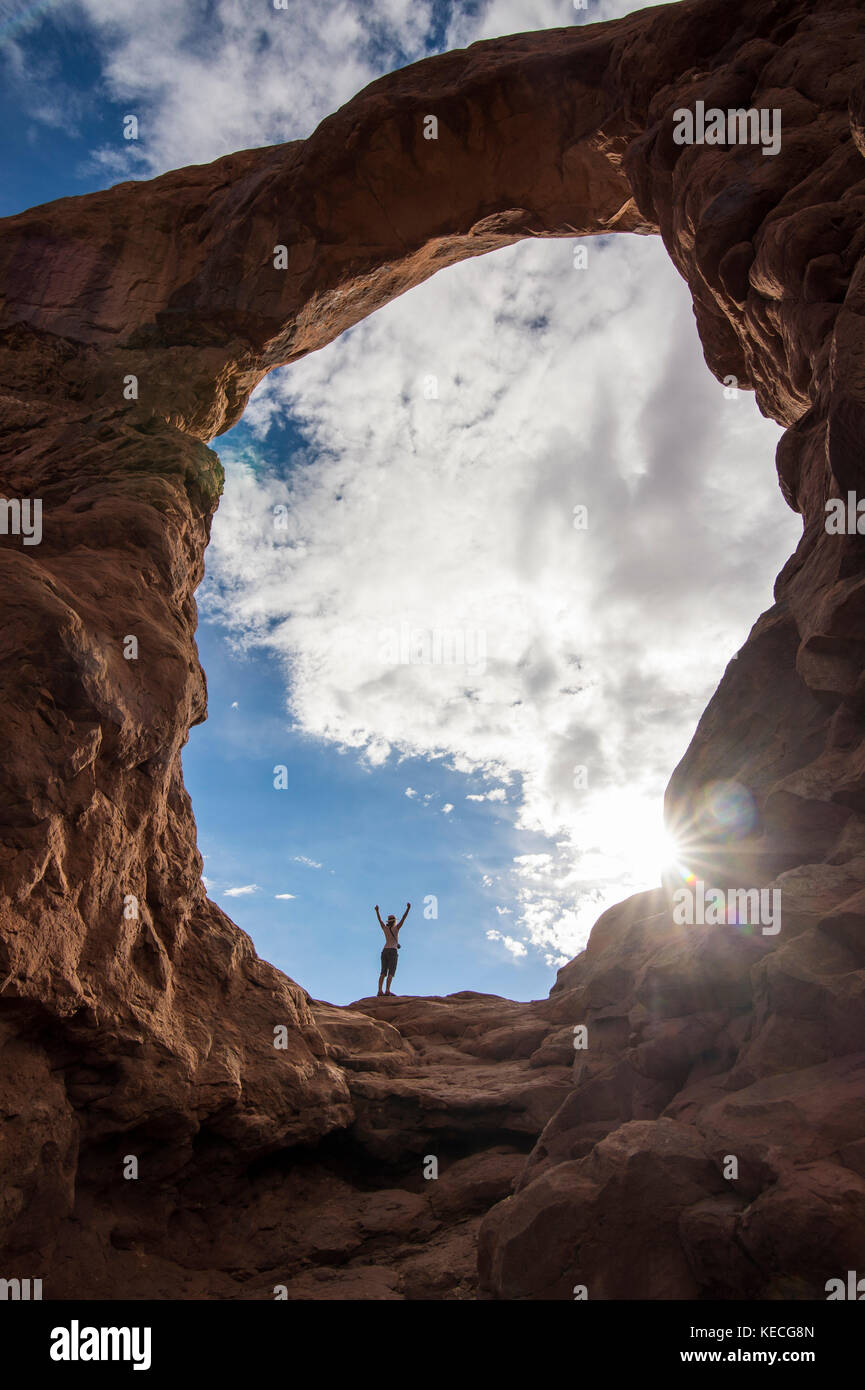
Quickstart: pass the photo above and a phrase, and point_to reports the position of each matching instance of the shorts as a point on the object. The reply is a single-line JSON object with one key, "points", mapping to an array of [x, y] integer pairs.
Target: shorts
{"points": [[389, 958]]}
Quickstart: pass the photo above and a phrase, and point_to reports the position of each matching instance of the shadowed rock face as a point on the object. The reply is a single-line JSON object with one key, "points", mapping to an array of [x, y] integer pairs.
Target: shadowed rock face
{"points": [[135, 1018]]}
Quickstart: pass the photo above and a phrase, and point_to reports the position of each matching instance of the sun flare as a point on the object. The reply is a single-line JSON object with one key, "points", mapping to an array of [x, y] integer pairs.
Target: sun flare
{"points": [[630, 829]]}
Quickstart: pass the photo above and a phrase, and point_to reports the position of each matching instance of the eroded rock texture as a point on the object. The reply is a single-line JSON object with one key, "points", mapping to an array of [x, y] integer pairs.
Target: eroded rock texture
{"points": [[153, 1035]]}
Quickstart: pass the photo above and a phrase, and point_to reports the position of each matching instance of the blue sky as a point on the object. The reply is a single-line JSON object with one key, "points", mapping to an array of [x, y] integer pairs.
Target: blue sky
{"points": [[47, 147], [342, 835], [427, 467], [340, 838]]}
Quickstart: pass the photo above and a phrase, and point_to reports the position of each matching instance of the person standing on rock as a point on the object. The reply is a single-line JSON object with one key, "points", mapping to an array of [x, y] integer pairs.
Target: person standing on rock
{"points": [[389, 956]]}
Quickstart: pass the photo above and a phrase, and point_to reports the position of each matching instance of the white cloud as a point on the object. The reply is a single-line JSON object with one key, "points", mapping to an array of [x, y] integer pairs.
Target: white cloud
{"points": [[602, 645], [243, 892], [283, 896], [205, 81], [446, 809], [504, 911], [498, 18], [310, 863], [534, 863], [516, 948], [410, 791], [497, 794]]}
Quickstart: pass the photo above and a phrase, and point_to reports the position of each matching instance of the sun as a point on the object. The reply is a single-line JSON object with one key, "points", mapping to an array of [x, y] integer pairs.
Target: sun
{"points": [[631, 826], [655, 850]]}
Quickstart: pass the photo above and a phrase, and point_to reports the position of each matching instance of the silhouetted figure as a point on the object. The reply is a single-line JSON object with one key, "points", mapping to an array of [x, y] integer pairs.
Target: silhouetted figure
{"points": [[389, 956]]}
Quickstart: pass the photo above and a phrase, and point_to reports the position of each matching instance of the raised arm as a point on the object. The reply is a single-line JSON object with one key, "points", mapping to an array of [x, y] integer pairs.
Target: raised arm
{"points": [[378, 915], [404, 915]]}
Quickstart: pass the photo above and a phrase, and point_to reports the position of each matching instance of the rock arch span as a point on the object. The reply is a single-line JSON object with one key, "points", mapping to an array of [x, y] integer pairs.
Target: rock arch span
{"points": [[152, 1033]]}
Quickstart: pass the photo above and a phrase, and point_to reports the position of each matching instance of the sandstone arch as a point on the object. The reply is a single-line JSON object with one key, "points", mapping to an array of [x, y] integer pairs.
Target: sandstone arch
{"points": [[156, 1030]]}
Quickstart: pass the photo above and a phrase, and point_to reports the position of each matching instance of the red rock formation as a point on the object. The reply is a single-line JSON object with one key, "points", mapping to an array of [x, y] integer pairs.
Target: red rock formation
{"points": [[135, 1017]]}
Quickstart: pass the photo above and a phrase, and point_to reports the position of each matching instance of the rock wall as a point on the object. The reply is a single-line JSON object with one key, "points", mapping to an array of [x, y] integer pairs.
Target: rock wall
{"points": [[135, 1018]]}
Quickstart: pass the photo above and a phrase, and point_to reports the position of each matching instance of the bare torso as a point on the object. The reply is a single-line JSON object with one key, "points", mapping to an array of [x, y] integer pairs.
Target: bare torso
{"points": [[391, 933]]}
